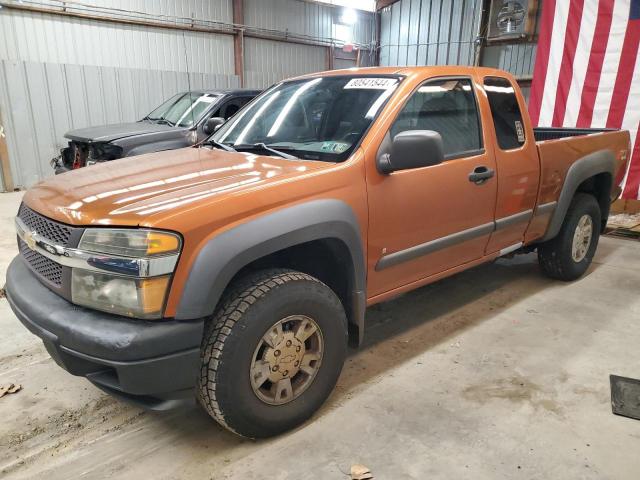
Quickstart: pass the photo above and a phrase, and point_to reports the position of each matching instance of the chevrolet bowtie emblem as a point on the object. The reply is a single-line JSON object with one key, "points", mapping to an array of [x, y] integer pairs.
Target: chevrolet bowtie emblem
{"points": [[30, 240]]}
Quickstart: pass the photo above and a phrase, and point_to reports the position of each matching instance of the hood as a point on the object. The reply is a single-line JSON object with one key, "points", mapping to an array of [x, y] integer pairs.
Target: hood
{"points": [[108, 133], [132, 190]]}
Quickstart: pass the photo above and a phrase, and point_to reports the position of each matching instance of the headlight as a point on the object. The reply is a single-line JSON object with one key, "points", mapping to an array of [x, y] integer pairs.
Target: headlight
{"points": [[131, 297], [127, 271], [128, 242], [104, 151]]}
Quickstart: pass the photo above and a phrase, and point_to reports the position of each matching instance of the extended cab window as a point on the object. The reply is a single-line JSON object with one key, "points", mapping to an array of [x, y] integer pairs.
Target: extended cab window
{"points": [[312, 118], [448, 107], [505, 111]]}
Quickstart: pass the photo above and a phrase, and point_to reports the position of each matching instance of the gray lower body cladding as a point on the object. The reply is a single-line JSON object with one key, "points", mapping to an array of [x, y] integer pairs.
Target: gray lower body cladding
{"points": [[432, 246], [151, 363]]}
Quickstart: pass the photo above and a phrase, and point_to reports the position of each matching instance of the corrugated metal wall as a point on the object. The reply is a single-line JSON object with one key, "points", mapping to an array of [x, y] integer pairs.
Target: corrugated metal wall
{"points": [[429, 32], [443, 32], [268, 61], [307, 18], [59, 73], [37, 37], [343, 59], [518, 58], [42, 101]]}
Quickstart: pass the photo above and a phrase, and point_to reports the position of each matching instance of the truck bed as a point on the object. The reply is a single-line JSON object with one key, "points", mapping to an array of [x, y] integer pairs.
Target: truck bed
{"points": [[554, 133], [558, 149], [557, 156]]}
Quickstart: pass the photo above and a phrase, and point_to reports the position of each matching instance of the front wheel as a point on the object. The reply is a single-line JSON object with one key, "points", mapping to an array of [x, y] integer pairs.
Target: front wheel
{"points": [[568, 255], [273, 353]]}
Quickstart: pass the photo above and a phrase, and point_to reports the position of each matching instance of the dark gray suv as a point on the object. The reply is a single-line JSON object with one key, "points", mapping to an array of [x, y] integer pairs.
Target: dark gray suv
{"points": [[183, 120]]}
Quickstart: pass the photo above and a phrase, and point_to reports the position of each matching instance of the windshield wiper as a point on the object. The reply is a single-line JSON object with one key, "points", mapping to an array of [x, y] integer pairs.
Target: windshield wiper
{"points": [[164, 120], [266, 148], [221, 145]]}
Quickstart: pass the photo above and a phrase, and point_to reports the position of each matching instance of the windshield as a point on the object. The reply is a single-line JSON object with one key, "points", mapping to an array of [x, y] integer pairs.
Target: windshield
{"points": [[316, 119], [183, 109]]}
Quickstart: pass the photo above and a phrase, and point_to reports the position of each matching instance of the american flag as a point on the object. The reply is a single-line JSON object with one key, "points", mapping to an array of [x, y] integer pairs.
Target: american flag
{"points": [[587, 71]]}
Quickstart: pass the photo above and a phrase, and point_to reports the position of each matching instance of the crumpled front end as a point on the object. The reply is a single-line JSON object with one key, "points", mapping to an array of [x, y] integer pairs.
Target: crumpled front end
{"points": [[81, 154]]}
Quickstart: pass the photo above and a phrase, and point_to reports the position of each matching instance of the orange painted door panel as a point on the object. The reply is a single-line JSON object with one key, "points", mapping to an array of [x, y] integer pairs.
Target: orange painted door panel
{"points": [[424, 221], [413, 207]]}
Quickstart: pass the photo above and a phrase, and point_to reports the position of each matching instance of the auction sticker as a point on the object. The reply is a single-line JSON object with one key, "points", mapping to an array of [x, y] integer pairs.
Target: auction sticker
{"points": [[334, 147], [371, 83]]}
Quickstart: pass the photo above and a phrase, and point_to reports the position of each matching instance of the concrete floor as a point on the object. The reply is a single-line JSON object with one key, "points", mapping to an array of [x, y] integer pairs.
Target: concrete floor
{"points": [[495, 373]]}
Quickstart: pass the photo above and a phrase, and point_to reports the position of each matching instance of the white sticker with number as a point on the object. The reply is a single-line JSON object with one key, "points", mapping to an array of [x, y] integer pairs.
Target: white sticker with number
{"points": [[519, 131], [371, 83]]}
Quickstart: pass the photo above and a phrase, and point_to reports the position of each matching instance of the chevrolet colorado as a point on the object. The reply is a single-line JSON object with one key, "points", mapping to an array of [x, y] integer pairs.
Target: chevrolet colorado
{"points": [[238, 270]]}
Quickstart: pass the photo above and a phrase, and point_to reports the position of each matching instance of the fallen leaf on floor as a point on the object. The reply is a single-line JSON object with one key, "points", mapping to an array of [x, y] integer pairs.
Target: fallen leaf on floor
{"points": [[360, 472], [10, 388]]}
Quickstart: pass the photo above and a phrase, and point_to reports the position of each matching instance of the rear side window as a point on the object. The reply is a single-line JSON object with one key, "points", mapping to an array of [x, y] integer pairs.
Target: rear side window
{"points": [[505, 111], [447, 106]]}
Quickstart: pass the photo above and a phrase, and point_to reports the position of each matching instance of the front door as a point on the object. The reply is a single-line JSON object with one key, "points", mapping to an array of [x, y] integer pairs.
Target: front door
{"points": [[427, 220]]}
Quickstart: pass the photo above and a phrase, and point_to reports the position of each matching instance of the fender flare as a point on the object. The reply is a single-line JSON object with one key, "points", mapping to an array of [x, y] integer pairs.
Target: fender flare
{"points": [[602, 161], [224, 255]]}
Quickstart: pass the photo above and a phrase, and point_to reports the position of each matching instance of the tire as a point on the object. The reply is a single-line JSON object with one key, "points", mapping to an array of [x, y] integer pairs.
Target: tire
{"points": [[556, 256], [235, 338]]}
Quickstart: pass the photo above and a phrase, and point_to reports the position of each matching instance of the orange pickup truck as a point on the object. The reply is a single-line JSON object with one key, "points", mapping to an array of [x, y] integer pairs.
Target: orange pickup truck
{"points": [[237, 271]]}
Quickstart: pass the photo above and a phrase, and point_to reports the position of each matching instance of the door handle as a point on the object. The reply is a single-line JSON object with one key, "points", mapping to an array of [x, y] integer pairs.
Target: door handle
{"points": [[481, 174]]}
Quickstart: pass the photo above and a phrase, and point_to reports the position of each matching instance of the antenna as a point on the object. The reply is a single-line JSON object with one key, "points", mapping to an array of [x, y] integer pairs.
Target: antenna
{"points": [[186, 62]]}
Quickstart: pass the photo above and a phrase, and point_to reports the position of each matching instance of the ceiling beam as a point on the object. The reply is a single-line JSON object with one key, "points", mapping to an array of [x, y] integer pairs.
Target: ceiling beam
{"points": [[221, 29], [380, 4]]}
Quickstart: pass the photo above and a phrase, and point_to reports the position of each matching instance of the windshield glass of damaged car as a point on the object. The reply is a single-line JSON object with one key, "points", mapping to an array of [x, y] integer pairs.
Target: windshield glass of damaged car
{"points": [[183, 109], [316, 118]]}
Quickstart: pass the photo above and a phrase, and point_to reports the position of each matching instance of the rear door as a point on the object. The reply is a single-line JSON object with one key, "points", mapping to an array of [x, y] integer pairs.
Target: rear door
{"points": [[517, 163], [431, 219]]}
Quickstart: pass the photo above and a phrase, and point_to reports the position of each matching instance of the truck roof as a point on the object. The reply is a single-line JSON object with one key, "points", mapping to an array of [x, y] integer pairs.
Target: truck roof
{"points": [[412, 70], [226, 91]]}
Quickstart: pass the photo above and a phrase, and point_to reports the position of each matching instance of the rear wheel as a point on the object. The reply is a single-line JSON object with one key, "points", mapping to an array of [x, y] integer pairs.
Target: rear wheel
{"points": [[568, 255], [272, 353]]}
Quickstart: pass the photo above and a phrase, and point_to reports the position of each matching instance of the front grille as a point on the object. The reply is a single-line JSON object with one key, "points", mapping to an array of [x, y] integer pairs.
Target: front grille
{"points": [[48, 269], [53, 231]]}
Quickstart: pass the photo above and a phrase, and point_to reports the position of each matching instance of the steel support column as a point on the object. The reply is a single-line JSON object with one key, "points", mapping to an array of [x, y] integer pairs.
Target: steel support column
{"points": [[238, 39], [5, 165]]}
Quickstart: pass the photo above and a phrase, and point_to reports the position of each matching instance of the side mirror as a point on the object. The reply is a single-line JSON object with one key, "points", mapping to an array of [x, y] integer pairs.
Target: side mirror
{"points": [[212, 125], [412, 149]]}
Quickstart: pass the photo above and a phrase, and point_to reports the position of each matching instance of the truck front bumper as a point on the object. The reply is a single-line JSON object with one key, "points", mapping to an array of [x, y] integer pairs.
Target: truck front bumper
{"points": [[154, 364]]}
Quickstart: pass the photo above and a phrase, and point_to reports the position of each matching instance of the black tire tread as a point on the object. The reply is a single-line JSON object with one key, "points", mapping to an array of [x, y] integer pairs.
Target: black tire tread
{"points": [[551, 261], [234, 304]]}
